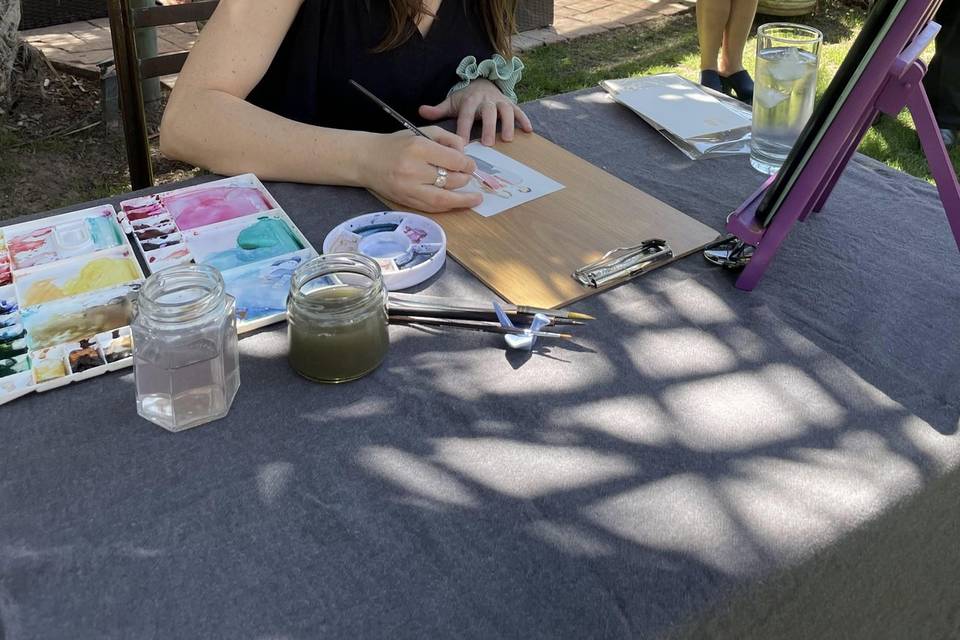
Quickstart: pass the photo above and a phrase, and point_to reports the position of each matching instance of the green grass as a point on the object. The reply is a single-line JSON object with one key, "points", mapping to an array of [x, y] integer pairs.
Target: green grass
{"points": [[50, 173], [670, 45]]}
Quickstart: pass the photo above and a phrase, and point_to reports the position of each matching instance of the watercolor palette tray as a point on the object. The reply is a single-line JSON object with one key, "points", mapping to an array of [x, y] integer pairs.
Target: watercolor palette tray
{"points": [[234, 225], [408, 247], [67, 290]]}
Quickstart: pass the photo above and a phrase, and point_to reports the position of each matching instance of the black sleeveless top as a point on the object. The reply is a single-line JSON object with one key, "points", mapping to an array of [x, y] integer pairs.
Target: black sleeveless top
{"points": [[331, 42]]}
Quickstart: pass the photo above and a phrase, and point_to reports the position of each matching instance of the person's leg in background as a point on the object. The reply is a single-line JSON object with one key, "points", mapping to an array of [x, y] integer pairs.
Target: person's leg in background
{"points": [[712, 17], [735, 35], [942, 81]]}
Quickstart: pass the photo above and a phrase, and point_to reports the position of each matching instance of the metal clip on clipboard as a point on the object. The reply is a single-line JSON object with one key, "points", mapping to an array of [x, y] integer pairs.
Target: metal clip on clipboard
{"points": [[623, 263]]}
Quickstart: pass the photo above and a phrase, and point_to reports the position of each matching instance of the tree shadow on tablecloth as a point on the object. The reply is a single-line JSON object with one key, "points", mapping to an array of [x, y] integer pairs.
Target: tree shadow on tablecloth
{"points": [[557, 500], [695, 442], [873, 279]]}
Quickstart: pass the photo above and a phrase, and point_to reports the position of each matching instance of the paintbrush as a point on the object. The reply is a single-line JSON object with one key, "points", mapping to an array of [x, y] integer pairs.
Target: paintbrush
{"points": [[416, 301], [468, 314], [410, 126], [475, 325]]}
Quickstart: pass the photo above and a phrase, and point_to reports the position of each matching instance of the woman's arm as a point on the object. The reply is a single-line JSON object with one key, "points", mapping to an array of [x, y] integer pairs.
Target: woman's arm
{"points": [[208, 122]]}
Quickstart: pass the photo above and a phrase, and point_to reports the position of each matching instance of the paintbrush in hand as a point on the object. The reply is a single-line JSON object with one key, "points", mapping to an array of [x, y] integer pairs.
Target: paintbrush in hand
{"points": [[410, 126]]}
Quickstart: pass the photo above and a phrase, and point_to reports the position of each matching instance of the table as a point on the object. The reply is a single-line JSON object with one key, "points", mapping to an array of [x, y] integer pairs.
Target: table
{"points": [[694, 439]]}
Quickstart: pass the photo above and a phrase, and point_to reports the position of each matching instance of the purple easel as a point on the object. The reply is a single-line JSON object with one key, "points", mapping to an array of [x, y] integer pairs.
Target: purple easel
{"points": [[891, 81]]}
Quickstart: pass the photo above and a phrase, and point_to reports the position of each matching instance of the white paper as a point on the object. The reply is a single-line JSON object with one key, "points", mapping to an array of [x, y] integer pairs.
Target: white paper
{"points": [[731, 142], [681, 108], [517, 183]]}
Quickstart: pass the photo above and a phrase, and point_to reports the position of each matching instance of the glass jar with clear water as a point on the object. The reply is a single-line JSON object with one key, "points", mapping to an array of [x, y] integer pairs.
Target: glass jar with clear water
{"points": [[785, 87], [186, 359]]}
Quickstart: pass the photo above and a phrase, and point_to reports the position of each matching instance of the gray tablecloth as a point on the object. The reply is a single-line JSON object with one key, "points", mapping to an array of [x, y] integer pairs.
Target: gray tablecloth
{"points": [[694, 438]]}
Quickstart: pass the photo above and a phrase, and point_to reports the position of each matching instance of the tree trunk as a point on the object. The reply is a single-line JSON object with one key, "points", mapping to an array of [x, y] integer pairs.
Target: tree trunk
{"points": [[9, 43], [20, 63]]}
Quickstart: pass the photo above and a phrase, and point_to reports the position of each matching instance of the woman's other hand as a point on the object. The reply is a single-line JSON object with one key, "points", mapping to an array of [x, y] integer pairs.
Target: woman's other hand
{"points": [[403, 167], [483, 100]]}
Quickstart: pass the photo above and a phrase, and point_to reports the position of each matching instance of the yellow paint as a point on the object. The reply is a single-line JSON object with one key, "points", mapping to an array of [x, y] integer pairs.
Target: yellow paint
{"points": [[96, 274], [44, 370], [100, 274], [42, 291]]}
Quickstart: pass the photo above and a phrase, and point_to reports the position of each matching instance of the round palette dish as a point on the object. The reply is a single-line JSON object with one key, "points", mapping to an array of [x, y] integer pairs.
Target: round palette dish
{"points": [[409, 248]]}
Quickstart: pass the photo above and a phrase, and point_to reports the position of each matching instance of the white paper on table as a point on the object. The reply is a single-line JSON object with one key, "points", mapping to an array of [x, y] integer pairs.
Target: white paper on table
{"points": [[517, 182], [681, 108]]}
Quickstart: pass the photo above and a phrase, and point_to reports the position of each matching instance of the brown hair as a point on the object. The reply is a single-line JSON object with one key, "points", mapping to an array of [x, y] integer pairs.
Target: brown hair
{"points": [[498, 18]]}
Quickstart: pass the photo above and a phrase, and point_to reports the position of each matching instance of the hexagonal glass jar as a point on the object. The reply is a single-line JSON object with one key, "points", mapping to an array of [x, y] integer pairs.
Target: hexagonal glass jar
{"points": [[186, 359]]}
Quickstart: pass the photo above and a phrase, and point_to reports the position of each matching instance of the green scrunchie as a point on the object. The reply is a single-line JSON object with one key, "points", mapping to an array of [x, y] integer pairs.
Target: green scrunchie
{"points": [[505, 74]]}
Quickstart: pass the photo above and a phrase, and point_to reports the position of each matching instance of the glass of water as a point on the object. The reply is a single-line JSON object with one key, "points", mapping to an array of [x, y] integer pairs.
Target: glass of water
{"points": [[785, 87], [185, 356]]}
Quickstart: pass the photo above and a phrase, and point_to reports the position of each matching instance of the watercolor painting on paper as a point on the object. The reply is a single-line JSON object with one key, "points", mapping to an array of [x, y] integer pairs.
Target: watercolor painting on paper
{"points": [[510, 183]]}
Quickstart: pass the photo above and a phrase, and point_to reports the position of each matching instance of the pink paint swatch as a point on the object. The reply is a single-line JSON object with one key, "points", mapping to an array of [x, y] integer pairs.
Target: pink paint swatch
{"points": [[217, 204], [142, 208], [32, 248]]}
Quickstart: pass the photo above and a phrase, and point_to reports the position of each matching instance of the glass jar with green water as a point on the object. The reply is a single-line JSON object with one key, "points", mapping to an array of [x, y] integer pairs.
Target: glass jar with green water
{"points": [[337, 318]]}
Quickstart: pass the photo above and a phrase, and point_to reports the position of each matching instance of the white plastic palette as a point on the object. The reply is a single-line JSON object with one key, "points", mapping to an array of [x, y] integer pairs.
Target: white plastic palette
{"points": [[408, 247], [67, 285], [234, 225]]}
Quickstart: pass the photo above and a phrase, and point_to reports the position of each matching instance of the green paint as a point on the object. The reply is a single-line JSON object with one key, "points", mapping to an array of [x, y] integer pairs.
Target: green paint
{"points": [[341, 346], [268, 233], [104, 232], [13, 348], [11, 366]]}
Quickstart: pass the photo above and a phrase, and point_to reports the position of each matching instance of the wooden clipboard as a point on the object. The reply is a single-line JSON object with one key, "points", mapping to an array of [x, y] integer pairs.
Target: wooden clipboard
{"points": [[528, 254]]}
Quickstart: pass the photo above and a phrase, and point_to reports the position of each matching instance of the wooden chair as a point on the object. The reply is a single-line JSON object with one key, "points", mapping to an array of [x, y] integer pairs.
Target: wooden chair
{"points": [[132, 70]]}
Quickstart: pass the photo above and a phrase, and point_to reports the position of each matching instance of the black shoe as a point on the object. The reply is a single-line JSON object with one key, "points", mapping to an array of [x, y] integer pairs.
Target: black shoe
{"points": [[741, 84], [711, 80], [950, 137]]}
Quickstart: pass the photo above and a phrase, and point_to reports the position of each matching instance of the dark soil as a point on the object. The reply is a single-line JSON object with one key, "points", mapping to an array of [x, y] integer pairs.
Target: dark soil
{"points": [[56, 150]]}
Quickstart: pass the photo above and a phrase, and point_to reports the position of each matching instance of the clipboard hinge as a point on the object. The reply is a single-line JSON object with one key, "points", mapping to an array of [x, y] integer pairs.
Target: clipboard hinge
{"points": [[624, 262]]}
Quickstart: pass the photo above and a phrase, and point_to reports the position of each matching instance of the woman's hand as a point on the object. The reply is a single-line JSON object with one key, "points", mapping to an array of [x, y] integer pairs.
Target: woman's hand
{"points": [[403, 168], [482, 99]]}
